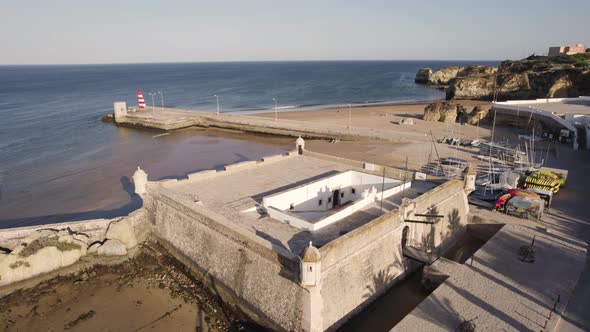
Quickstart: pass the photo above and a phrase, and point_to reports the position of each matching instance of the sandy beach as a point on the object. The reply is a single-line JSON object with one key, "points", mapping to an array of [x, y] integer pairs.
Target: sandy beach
{"points": [[418, 149]]}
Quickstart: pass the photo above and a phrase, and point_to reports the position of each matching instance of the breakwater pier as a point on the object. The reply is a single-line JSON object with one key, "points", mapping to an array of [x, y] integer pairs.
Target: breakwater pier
{"points": [[168, 119]]}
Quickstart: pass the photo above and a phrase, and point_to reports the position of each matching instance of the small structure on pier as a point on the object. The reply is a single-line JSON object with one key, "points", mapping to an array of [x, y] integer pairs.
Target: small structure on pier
{"points": [[120, 109]]}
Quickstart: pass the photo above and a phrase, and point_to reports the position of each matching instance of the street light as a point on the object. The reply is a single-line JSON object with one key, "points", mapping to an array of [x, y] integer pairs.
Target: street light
{"points": [[153, 104], [276, 115], [162, 96], [216, 96], [349, 115]]}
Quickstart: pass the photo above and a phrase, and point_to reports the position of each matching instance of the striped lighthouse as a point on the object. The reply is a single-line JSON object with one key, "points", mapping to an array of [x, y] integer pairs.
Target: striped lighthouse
{"points": [[140, 100]]}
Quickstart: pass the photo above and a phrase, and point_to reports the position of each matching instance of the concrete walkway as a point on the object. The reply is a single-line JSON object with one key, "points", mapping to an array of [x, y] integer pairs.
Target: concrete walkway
{"points": [[172, 118], [570, 214], [498, 291], [516, 297]]}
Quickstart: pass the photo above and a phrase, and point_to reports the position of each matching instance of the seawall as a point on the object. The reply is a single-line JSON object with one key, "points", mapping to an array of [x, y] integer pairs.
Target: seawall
{"points": [[168, 119]]}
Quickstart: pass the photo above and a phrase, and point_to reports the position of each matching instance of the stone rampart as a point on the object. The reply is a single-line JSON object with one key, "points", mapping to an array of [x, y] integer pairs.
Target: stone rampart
{"points": [[210, 173], [448, 200], [390, 172], [364, 263], [368, 260], [259, 278], [262, 278]]}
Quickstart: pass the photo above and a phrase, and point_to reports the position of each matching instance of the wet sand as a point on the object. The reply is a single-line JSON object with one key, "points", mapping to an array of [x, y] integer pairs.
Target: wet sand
{"points": [[150, 292]]}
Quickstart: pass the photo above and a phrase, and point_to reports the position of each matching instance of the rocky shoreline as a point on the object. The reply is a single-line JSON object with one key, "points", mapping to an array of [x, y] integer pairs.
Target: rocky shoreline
{"points": [[151, 282], [530, 78]]}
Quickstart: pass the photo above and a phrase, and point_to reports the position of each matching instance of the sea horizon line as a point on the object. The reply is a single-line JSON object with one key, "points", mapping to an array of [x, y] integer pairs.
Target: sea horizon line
{"points": [[237, 61]]}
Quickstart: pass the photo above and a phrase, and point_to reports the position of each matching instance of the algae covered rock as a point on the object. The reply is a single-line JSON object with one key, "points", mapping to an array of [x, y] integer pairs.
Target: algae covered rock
{"points": [[112, 248], [42, 255], [477, 70]]}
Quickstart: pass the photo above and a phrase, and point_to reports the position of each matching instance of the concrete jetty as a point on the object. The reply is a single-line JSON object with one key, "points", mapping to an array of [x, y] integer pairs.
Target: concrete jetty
{"points": [[168, 119]]}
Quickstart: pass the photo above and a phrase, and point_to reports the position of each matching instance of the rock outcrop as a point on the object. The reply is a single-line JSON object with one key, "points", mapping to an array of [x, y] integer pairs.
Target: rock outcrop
{"points": [[477, 70], [450, 112], [423, 75], [122, 231], [533, 77], [560, 87], [478, 115], [441, 111], [46, 250], [444, 75], [40, 253], [112, 248], [471, 88]]}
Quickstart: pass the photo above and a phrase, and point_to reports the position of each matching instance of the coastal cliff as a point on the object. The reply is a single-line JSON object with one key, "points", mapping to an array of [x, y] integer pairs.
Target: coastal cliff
{"points": [[533, 77]]}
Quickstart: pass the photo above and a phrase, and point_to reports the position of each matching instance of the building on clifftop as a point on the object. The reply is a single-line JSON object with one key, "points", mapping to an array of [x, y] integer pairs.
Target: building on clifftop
{"points": [[567, 50]]}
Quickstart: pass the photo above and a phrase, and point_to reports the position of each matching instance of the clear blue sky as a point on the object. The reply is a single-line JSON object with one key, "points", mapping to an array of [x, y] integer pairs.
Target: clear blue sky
{"points": [[107, 31]]}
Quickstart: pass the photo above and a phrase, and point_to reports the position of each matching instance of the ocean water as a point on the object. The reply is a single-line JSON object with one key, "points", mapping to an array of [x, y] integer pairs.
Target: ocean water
{"points": [[59, 162]]}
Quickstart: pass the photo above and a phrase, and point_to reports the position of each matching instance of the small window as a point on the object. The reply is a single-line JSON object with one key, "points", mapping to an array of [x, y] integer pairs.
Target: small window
{"points": [[291, 207], [353, 191], [310, 269], [341, 194], [320, 202], [329, 199]]}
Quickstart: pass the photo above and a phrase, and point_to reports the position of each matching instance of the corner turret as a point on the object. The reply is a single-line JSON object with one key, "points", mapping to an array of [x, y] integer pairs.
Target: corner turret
{"points": [[300, 145], [140, 180], [310, 265]]}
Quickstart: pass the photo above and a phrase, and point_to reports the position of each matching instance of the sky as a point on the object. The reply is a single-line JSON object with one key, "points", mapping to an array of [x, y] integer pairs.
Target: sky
{"points": [[108, 31]]}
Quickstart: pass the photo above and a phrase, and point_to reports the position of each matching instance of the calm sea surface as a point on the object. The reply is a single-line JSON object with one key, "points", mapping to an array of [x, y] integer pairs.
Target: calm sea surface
{"points": [[59, 162]]}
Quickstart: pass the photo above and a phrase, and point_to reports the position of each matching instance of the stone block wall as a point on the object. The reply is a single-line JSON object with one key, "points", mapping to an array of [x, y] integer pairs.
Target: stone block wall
{"points": [[261, 280], [368, 260], [358, 267], [448, 200]]}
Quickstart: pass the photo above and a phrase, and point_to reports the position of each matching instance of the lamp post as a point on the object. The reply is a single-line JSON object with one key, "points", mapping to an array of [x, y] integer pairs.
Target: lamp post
{"points": [[217, 97], [153, 104], [349, 116], [276, 106], [162, 97]]}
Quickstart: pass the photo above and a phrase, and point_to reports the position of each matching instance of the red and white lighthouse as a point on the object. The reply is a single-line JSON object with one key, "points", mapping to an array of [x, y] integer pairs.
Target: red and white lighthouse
{"points": [[140, 100]]}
